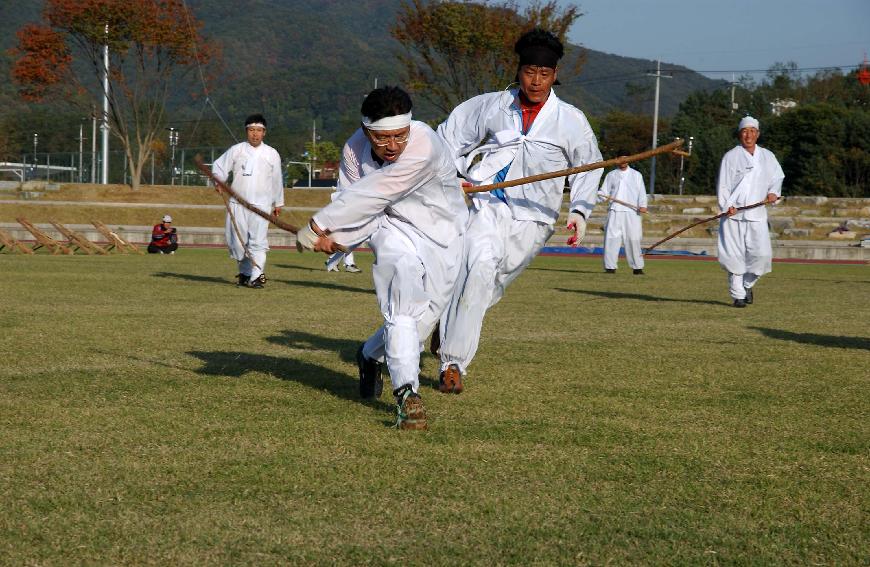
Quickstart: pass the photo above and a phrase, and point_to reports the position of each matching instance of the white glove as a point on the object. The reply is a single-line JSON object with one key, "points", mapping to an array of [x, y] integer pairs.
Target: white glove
{"points": [[577, 223], [306, 238]]}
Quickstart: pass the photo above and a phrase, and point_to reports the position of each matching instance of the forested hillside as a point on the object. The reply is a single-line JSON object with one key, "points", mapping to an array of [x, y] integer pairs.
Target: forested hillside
{"points": [[298, 62]]}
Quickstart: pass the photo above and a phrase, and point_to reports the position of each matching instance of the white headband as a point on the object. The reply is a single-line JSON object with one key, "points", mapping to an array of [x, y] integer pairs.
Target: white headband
{"points": [[747, 122], [388, 122], [263, 126]]}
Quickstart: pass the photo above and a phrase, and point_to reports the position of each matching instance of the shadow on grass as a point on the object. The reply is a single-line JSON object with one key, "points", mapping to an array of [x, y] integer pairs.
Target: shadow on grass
{"points": [[326, 285], [344, 348], [833, 341], [193, 278], [641, 297], [297, 267], [566, 271], [236, 364]]}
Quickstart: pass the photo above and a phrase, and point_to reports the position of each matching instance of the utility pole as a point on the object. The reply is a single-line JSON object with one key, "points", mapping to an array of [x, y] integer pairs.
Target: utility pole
{"points": [[81, 147], [93, 144], [311, 156], [683, 179], [35, 163], [173, 142], [655, 135], [105, 180], [733, 85]]}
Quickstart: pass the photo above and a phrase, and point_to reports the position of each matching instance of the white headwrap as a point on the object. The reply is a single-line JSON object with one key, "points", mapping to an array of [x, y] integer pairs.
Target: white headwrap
{"points": [[255, 125], [748, 122], [388, 122]]}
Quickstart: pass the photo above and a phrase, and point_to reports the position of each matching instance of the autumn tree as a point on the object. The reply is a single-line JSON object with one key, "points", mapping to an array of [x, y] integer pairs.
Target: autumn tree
{"points": [[154, 46], [455, 50]]}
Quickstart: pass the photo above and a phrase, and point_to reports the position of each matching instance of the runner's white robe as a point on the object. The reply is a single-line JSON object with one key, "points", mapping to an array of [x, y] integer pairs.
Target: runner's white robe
{"points": [[414, 215], [624, 226], [744, 241], [356, 162], [503, 238], [257, 178]]}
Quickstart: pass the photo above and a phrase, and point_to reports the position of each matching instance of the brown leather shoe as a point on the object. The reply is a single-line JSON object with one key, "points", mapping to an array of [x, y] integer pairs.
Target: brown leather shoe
{"points": [[450, 380]]}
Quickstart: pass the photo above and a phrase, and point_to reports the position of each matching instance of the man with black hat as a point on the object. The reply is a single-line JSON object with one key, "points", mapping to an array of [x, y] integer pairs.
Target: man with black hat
{"points": [[257, 178], [503, 136]]}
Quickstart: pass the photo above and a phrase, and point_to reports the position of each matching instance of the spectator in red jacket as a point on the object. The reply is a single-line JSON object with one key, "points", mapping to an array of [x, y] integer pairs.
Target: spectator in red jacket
{"points": [[163, 238]]}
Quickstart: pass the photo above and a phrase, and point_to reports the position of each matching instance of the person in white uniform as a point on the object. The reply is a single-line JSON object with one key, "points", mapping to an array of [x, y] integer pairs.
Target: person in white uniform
{"points": [[503, 136], [257, 177], [413, 213], [357, 160], [749, 174], [623, 226]]}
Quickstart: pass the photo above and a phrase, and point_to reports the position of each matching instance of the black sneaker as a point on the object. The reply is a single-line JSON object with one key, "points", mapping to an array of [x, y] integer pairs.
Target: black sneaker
{"points": [[609, 270], [371, 385], [257, 283], [739, 303], [243, 280], [638, 272], [749, 297]]}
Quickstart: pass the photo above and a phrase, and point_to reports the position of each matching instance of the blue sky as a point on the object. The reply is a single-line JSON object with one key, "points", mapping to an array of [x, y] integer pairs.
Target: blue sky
{"points": [[724, 35]]}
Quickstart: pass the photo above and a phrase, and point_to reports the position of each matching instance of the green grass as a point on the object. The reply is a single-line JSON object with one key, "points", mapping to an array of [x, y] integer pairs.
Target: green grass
{"points": [[152, 413]]}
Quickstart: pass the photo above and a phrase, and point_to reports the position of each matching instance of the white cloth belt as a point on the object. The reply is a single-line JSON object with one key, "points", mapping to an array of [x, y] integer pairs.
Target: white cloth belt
{"points": [[498, 152]]}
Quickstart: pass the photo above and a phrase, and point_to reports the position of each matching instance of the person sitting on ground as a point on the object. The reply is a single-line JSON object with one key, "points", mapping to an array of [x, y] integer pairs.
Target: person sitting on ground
{"points": [[164, 240]]}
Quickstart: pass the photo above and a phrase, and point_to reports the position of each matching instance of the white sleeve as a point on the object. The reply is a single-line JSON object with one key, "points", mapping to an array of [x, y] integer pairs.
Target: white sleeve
{"points": [[348, 170], [465, 128], [775, 185], [223, 165], [641, 191], [723, 185], [584, 185], [362, 201], [277, 180]]}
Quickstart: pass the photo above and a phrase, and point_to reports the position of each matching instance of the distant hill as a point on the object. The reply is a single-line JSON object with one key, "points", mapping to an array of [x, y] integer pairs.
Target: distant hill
{"points": [[297, 61]]}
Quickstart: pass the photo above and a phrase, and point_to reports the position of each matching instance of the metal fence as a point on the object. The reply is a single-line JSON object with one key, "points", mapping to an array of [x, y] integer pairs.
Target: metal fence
{"points": [[75, 167]]}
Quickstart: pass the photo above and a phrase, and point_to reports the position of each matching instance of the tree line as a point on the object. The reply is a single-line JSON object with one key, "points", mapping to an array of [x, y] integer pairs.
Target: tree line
{"points": [[818, 126]]}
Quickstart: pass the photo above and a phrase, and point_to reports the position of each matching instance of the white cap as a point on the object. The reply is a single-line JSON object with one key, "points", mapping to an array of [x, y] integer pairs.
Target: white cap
{"points": [[167, 218], [748, 122]]}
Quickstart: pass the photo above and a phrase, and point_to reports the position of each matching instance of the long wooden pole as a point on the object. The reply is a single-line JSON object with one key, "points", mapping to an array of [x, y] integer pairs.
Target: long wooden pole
{"points": [[702, 221], [579, 169], [223, 188]]}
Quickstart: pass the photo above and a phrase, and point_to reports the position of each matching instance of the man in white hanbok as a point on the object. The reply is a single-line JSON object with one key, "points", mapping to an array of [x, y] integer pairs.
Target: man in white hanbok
{"points": [[514, 133], [749, 174], [625, 192], [257, 178], [413, 213]]}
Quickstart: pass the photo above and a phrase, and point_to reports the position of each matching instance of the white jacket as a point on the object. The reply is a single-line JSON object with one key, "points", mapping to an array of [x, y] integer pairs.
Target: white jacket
{"points": [[745, 179], [560, 137], [626, 186], [257, 174], [419, 189]]}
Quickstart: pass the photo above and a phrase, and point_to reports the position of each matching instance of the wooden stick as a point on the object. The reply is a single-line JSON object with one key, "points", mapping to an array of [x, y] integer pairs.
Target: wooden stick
{"points": [[579, 169], [632, 207], [224, 188], [702, 221]]}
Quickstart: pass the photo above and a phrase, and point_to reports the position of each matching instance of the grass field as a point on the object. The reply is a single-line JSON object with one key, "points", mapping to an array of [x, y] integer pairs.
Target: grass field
{"points": [[153, 413]]}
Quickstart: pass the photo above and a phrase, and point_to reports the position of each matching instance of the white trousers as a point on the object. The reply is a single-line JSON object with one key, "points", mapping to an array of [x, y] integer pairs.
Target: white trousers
{"points": [[414, 280], [744, 252], [335, 258], [497, 250], [624, 228], [254, 231]]}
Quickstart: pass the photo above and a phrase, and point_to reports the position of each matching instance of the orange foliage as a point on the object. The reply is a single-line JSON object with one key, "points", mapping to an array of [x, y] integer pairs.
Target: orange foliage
{"points": [[43, 60]]}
